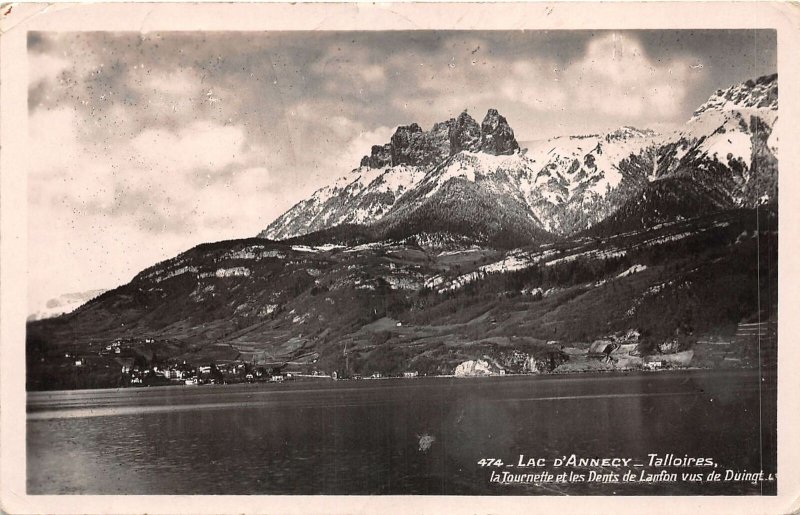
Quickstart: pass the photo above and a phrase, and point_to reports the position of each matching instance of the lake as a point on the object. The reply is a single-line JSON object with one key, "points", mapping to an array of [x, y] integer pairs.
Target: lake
{"points": [[402, 436]]}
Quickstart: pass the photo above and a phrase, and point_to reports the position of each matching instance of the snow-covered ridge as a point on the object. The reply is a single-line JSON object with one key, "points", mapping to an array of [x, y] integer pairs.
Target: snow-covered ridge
{"points": [[567, 183], [761, 94], [474, 167], [358, 197], [598, 156], [548, 175]]}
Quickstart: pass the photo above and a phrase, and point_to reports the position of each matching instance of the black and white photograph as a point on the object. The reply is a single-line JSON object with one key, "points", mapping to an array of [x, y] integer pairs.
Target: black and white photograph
{"points": [[402, 262]]}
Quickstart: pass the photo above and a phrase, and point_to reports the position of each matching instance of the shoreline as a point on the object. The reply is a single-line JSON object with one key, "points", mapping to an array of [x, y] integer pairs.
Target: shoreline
{"points": [[329, 381]]}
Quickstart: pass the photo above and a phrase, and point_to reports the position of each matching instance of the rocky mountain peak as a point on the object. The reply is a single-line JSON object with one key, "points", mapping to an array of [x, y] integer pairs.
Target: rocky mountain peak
{"points": [[465, 134], [761, 93], [380, 156], [497, 137], [410, 145]]}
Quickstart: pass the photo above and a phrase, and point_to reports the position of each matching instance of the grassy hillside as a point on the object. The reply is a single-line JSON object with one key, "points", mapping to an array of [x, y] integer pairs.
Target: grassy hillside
{"points": [[390, 307]]}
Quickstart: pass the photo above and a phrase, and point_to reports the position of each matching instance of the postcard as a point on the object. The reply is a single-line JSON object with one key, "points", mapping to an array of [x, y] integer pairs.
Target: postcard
{"points": [[398, 257]]}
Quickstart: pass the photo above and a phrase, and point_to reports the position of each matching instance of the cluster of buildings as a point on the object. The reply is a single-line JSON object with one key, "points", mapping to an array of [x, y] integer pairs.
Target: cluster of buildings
{"points": [[375, 375], [141, 368], [220, 373], [117, 347]]}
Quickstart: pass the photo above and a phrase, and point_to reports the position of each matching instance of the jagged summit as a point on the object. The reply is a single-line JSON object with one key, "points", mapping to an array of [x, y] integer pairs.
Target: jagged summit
{"points": [[465, 134], [497, 137], [761, 93], [410, 145]]}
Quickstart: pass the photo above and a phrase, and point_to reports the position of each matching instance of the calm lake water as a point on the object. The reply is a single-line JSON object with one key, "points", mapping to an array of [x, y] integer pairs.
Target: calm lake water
{"points": [[372, 436]]}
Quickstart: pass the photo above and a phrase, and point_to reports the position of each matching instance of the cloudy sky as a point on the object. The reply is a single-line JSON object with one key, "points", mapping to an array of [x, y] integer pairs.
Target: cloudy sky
{"points": [[142, 146]]}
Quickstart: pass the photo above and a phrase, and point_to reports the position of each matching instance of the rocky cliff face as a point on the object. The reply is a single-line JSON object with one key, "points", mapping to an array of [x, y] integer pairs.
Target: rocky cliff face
{"points": [[412, 146], [465, 134], [497, 137], [392, 169], [380, 156]]}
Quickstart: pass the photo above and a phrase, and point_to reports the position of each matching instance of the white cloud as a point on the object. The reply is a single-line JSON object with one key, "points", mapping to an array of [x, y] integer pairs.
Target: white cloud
{"points": [[613, 81], [234, 208], [91, 204], [373, 75], [199, 144], [357, 68], [336, 142], [179, 82], [45, 66], [535, 83], [361, 145], [614, 77], [55, 141]]}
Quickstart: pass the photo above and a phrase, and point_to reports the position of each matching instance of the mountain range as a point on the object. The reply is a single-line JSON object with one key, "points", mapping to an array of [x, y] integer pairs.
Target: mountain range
{"points": [[458, 243], [469, 179]]}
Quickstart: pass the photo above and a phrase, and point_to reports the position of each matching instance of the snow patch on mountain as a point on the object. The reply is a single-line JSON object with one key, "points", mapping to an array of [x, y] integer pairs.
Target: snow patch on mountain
{"points": [[475, 167], [635, 269], [358, 197], [722, 145], [591, 161]]}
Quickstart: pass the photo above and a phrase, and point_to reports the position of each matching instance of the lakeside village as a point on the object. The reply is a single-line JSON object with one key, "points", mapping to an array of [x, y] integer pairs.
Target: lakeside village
{"points": [[134, 362], [125, 357]]}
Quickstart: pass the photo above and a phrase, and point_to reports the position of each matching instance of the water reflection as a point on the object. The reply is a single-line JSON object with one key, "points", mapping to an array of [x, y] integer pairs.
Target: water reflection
{"points": [[364, 438]]}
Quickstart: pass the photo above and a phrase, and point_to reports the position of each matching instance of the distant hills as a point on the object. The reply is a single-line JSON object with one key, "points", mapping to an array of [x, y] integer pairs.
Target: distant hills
{"points": [[63, 304]]}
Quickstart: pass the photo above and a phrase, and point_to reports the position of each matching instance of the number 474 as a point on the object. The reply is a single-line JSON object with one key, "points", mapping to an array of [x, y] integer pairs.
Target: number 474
{"points": [[490, 462]]}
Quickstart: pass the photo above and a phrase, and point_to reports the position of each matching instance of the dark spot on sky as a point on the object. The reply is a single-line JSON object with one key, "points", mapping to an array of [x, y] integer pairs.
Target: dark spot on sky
{"points": [[36, 42]]}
